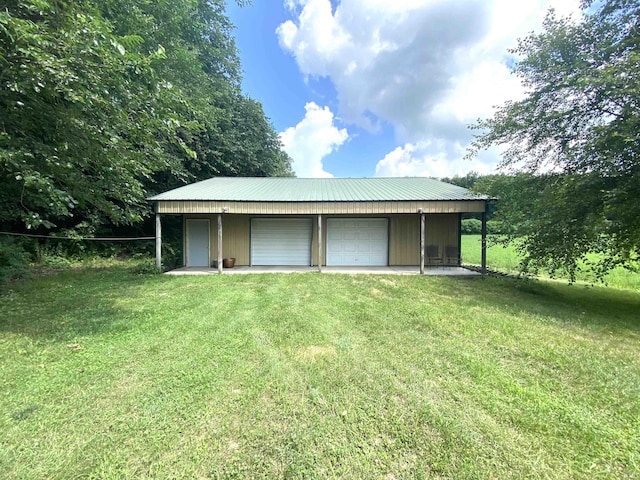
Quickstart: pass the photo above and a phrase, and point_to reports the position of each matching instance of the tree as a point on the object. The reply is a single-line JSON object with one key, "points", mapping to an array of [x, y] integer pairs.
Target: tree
{"points": [[81, 117], [465, 181], [104, 103], [577, 134], [225, 132]]}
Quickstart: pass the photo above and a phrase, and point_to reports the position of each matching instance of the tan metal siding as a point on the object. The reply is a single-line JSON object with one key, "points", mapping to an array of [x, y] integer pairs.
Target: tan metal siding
{"points": [[442, 231], [235, 236], [404, 240], [312, 208], [404, 235]]}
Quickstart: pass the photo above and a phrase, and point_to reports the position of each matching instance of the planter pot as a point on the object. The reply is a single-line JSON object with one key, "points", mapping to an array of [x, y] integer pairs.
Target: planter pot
{"points": [[228, 262]]}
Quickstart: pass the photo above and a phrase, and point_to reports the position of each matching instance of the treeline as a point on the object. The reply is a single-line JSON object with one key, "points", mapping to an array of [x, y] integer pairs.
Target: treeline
{"points": [[105, 103], [556, 220], [575, 136], [471, 223]]}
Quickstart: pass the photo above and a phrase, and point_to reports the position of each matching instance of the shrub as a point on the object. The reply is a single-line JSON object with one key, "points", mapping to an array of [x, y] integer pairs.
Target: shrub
{"points": [[14, 259], [53, 255], [146, 268], [473, 226]]}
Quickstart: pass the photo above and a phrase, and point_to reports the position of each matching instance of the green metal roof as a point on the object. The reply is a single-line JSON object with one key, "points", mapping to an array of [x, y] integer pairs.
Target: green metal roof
{"points": [[286, 189]]}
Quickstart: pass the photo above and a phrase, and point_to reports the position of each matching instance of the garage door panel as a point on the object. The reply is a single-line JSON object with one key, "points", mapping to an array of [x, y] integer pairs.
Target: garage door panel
{"points": [[362, 246], [357, 241], [281, 241], [379, 249], [379, 260]]}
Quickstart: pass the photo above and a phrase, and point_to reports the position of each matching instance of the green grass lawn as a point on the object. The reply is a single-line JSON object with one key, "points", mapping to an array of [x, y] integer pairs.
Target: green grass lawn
{"points": [[506, 259], [108, 374]]}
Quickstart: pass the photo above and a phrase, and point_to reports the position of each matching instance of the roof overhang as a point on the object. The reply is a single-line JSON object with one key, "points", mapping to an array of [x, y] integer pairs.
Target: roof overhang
{"points": [[177, 207]]}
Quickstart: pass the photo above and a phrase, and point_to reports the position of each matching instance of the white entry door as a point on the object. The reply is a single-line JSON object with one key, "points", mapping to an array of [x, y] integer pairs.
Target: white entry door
{"points": [[357, 241], [198, 243], [281, 241]]}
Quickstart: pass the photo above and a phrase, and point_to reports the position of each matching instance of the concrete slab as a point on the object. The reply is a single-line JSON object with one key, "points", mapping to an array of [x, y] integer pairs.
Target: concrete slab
{"points": [[408, 270]]}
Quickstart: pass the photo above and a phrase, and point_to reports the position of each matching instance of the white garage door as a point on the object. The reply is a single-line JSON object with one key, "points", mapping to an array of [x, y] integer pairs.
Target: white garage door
{"points": [[357, 241], [281, 241]]}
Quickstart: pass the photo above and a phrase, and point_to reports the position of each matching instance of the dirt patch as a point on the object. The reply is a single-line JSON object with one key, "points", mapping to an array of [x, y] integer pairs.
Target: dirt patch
{"points": [[388, 282], [313, 352], [375, 292]]}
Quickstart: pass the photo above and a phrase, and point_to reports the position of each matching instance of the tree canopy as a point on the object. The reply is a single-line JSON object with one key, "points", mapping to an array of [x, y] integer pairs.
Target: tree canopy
{"points": [[577, 135], [104, 103]]}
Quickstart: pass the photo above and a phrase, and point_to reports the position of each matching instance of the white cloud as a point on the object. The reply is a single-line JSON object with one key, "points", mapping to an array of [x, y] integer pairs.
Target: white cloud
{"points": [[389, 61], [427, 67], [428, 159], [315, 137]]}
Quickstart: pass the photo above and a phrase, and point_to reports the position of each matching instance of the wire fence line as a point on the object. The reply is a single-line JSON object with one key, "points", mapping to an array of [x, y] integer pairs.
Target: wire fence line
{"points": [[95, 239]]}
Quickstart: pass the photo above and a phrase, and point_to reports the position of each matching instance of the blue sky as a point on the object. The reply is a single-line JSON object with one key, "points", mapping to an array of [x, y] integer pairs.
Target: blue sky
{"points": [[362, 88]]}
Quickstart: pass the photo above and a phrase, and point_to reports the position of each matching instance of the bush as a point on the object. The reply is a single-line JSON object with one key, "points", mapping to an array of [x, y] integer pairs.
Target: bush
{"points": [[146, 268], [14, 259], [53, 255], [473, 226]]}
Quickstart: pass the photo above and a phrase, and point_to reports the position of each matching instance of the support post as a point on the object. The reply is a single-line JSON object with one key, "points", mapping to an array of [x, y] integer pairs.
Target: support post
{"points": [[459, 261], [319, 243], [158, 241], [484, 243], [219, 243], [422, 242]]}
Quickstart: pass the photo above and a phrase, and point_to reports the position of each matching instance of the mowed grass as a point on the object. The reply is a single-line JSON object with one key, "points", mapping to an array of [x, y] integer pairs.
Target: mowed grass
{"points": [[107, 374], [506, 259]]}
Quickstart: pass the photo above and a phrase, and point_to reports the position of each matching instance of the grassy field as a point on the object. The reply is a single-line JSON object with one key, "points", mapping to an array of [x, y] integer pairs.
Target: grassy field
{"points": [[506, 259], [108, 374]]}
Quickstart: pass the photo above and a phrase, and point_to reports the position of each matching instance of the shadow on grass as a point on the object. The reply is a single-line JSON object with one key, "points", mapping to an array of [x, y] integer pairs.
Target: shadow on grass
{"points": [[95, 301], [605, 308]]}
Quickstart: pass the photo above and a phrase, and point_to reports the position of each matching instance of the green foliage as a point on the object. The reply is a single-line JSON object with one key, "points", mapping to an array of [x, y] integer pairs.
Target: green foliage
{"points": [[105, 103], [505, 258], [146, 267], [14, 259], [473, 226], [500, 257], [556, 221], [81, 120], [466, 181], [53, 256], [580, 120]]}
